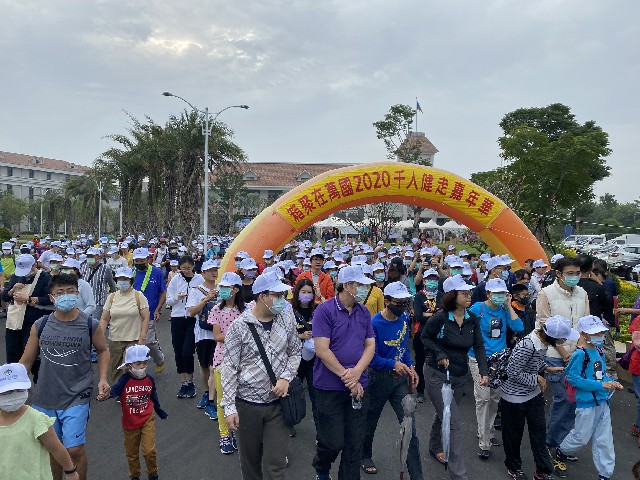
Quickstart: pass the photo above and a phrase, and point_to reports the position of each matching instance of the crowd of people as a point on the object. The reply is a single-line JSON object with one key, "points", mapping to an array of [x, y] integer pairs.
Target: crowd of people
{"points": [[359, 325]]}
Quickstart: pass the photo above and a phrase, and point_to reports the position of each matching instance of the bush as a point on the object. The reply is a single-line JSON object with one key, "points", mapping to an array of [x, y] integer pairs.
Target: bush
{"points": [[5, 234], [627, 295]]}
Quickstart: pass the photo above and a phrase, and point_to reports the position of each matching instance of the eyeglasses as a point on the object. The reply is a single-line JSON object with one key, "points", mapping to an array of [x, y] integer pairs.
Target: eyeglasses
{"points": [[276, 295], [571, 274]]}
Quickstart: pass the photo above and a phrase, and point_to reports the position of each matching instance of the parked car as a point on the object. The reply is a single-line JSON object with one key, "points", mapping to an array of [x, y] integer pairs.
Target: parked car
{"points": [[603, 251], [628, 269], [621, 256], [591, 244]]}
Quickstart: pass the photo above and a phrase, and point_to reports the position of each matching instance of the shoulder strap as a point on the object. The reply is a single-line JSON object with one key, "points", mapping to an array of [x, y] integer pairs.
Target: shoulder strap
{"points": [[91, 331], [301, 319], [111, 297], [263, 353], [93, 272]]}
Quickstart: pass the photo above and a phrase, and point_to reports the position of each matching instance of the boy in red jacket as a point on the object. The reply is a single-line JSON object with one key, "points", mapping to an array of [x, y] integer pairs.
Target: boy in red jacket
{"points": [[138, 397]]}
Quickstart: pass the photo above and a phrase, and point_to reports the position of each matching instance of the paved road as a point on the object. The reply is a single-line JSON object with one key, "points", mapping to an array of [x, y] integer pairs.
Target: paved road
{"points": [[187, 441]]}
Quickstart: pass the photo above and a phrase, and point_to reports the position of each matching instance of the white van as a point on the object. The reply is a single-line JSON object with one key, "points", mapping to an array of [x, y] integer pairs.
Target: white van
{"points": [[628, 239]]}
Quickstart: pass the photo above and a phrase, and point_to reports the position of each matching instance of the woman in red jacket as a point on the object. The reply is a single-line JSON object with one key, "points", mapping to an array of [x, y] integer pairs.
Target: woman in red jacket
{"points": [[634, 369]]}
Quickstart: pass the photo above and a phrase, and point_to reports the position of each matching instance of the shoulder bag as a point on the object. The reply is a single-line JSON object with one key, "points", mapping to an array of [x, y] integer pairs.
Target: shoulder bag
{"points": [[294, 405], [16, 311]]}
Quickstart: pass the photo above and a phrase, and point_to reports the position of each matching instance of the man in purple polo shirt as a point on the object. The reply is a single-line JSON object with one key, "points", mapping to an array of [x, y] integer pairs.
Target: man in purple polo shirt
{"points": [[344, 344]]}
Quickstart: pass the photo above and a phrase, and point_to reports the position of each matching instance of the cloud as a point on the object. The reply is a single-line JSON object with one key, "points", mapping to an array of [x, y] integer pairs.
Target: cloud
{"points": [[318, 74]]}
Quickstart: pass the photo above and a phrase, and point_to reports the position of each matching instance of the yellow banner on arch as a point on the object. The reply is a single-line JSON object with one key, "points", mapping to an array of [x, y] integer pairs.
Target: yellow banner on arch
{"points": [[385, 181]]}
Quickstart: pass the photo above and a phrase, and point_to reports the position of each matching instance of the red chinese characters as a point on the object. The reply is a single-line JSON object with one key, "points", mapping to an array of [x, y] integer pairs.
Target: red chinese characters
{"points": [[443, 184], [458, 190], [306, 204], [295, 213], [486, 206], [345, 186]]}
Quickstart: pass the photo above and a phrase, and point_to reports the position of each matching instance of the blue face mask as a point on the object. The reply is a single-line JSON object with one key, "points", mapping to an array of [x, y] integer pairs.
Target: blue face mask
{"points": [[238, 262], [224, 293], [379, 277], [456, 271], [474, 264], [361, 294], [597, 340], [278, 305], [505, 275], [66, 302], [571, 281], [333, 273], [499, 298], [406, 263], [431, 284]]}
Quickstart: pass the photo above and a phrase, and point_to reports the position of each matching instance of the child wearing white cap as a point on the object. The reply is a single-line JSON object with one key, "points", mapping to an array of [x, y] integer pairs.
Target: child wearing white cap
{"points": [[587, 372], [27, 435], [138, 399]]}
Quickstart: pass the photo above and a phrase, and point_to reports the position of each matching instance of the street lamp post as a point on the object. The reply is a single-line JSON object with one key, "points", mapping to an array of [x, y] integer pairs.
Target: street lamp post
{"points": [[206, 131], [100, 188]]}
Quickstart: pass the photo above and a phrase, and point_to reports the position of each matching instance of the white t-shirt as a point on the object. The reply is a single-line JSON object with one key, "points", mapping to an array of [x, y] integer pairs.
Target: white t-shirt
{"points": [[195, 297]]}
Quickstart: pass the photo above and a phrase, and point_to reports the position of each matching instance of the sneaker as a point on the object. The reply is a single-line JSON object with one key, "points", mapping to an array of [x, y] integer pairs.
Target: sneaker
{"points": [[204, 401], [517, 474], [494, 442], [225, 446], [542, 476], [212, 411], [420, 398], [153, 477], [160, 367], [323, 476], [292, 432], [134, 478], [635, 431], [234, 441], [191, 390], [182, 393], [559, 463], [602, 477], [484, 454]]}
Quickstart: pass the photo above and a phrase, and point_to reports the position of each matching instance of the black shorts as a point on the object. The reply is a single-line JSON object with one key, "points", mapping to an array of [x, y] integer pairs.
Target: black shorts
{"points": [[205, 349]]}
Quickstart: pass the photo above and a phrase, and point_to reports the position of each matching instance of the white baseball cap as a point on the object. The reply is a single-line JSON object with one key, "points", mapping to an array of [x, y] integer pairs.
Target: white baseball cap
{"points": [[13, 376], [24, 263], [539, 263], [358, 259], [123, 272], [506, 260], [377, 266], [173, 263], [560, 327], [396, 290], [451, 247], [6, 246], [71, 263], [463, 253], [454, 261], [316, 252], [275, 269], [496, 285], [432, 272], [484, 257], [268, 254], [230, 279], [556, 257], [591, 324], [112, 250], [55, 257], [455, 283], [353, 273], [93, 251], [209, 264], [494, 262], [242, 254], [329, 264], [140, 254], [268, 282], [135, 353], [248, 264]]}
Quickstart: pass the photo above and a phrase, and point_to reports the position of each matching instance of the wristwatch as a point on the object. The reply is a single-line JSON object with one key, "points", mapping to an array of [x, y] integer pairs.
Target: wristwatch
{"points": [[73, 470]]}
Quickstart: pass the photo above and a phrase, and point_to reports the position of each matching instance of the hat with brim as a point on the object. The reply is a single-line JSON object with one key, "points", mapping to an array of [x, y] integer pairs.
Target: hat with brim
{"points": [[24, 263], [13, 376], [560, 327], [135, 353], [268, 282], [230, 279], [123, 272], [456, 283], [353, 273], [591, 325], [397, 290]]}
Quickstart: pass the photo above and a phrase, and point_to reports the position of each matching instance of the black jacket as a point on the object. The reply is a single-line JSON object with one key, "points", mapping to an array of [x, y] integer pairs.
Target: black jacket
{"points": [[443, 338], [419, 307], [600, 302]]}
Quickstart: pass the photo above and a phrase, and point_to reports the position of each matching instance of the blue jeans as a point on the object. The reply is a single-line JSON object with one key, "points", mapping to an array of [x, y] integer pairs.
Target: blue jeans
{"points": [[636, 388], [562, 413], [384, 387], [593, 424]]}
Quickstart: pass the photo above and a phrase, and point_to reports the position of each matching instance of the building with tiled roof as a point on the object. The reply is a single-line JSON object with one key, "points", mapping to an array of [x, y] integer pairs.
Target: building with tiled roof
{"points": [[29, 176], [419, 141]]}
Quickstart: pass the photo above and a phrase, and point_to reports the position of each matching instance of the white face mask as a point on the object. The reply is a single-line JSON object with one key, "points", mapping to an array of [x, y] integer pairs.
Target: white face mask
{"points": [[138, 372], [13, 401], [123, 285]]}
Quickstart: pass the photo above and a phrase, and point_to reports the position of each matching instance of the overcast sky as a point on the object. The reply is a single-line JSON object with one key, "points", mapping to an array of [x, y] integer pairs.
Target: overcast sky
{"points": [[316, 74]]}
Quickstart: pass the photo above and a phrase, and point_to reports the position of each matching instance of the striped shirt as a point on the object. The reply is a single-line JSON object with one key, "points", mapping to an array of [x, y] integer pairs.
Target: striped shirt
{"points": [[526, 362], [243, 372], [100, 278]]}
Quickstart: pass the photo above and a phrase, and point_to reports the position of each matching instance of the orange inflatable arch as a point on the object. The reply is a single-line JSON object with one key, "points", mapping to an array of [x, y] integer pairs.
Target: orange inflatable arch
{"points": [[428, 187]]}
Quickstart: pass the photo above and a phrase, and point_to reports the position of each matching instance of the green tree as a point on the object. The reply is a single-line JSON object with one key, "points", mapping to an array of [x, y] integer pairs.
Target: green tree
{"points": [[12, 210], [228, 191], [395, 132], [554, 159]]}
